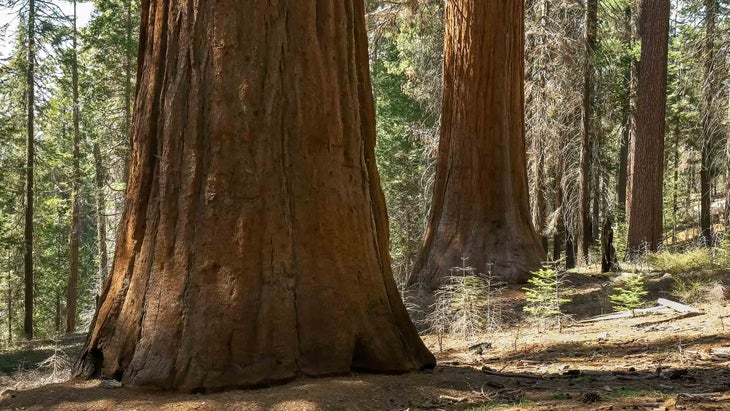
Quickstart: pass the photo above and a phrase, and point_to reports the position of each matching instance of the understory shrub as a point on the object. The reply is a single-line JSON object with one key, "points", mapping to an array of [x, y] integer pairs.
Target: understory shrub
{"points": [[467, 304]]}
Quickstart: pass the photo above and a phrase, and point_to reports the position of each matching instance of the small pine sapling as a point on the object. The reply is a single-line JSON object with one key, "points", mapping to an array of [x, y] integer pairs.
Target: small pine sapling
{"points": [[545, 295], [631, 295]]}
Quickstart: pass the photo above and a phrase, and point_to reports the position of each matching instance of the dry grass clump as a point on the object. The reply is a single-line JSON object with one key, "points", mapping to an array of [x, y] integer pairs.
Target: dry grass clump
{"points": [[690, 260]]}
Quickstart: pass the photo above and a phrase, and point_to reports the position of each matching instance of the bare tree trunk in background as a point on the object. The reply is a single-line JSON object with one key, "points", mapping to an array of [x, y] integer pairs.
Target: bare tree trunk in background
{"points": [[10, 309], [585, 234], [560, 231], [727, 172], [73, 275], [608, 260], [627, 114], [539, 170], [596, 191], [480, 207], [29, 173], [100, 180], [675, 183], [128, 98], [569, 252], [57, 318], [255, 228], [708, 131], [645, 201]]}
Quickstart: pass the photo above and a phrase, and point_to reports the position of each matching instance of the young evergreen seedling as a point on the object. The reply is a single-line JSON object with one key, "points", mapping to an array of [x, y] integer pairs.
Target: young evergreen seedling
{"points": [[545, 295], [631, 295]]}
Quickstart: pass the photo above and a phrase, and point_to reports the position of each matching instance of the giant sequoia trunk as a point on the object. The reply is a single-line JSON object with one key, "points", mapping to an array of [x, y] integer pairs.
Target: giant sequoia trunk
{"points": [[645, 200], [254, 244], [480, 207]]}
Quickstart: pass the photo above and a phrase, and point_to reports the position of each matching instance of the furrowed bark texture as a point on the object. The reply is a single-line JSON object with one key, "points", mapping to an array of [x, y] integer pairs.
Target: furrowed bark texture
{"points": [[254, 245], [480, 207], [645, 200]]}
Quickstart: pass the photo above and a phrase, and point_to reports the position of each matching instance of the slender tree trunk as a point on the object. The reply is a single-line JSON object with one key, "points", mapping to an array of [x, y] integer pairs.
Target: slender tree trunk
{"points": [[691, 183], [585, 234], [596, 191], [57, 318], [73, 275], [711, 9], [645, 202], [608, 260], [29, 174], [254, 205], [128, 57], [705, 194], [727, 171], [569, 252], [627, 115], [675, 183], [540, 138], [100, 179], [480, 207], [10, 309], [560, 231]]}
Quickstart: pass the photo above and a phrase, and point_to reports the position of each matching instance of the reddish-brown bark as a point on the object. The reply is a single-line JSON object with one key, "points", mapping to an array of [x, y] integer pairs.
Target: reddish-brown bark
{"points": [[254, 245], [645, 200], [480, 207]]}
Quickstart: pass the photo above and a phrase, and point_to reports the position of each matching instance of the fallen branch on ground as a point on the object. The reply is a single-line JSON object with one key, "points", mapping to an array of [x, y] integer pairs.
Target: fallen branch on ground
{"points": [[665, 307]]}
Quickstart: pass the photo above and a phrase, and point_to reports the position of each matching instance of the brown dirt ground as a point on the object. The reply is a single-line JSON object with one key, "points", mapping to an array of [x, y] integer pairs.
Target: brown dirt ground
{"points": [[656, 362]]}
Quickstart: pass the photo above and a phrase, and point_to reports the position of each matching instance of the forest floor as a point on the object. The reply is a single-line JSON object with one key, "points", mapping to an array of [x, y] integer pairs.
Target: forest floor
{"points": [[655, 362]]}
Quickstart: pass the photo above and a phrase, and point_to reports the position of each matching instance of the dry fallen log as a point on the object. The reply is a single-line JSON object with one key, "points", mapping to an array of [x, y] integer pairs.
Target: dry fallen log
{"points": [[654, 323], [626, 314], [489, 371], [678, 306], [665, 306]]}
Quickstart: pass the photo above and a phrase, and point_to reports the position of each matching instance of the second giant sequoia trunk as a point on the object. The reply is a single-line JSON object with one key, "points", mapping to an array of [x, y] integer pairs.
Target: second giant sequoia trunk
{"points": [[254, 244], [480, 207], [644, 199]]}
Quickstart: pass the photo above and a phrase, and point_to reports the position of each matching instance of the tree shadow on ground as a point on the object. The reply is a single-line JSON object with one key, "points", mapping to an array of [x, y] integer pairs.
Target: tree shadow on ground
{"points": [[29, 354], [612, 350], [446, 387], [590, 294]]}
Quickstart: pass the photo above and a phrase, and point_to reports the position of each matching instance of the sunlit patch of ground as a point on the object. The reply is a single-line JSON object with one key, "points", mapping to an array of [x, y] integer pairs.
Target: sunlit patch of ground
{"points": [[653, 362]]}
